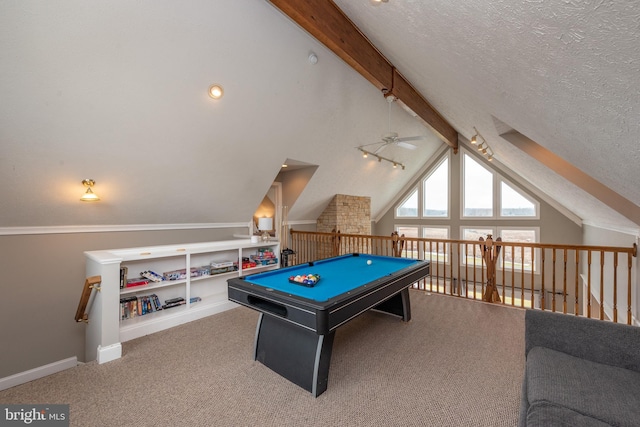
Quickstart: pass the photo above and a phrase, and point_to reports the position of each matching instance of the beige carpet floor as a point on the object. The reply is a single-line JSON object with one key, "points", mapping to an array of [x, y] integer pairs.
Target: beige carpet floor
{"points": [[457, 363]]}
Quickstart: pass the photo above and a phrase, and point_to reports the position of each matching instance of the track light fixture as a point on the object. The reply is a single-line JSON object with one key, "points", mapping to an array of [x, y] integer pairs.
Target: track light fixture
{"points": [[366, 154], [484, 146]]}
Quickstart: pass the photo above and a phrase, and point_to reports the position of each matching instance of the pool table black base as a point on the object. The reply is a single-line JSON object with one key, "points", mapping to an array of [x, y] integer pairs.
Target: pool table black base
{"points": [[298, 354], [301, 355]]}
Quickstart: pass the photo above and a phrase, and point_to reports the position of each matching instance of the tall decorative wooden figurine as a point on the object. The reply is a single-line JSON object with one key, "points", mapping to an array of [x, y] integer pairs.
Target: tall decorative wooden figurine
{"points": [[490, 253], [397, 244]]}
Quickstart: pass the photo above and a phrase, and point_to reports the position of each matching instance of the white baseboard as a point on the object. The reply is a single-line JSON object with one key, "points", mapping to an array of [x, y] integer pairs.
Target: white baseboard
{"points": [[39, 372], [109, 353]]}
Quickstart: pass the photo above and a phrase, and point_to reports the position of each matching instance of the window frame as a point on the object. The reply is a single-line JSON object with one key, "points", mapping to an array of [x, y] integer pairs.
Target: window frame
{"points": [[497, 232], [497, 180], [446, 246], [417, 227], [463, 187], [536, 204], [536, 251], [415, 189], [422, 188]]}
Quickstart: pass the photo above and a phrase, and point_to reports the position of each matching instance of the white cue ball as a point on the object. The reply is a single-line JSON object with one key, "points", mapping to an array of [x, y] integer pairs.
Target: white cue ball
{"points": [[368, 262]]}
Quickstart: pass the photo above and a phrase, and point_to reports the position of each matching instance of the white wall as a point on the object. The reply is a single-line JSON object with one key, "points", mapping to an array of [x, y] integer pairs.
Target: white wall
{"points": [[117, 91]]}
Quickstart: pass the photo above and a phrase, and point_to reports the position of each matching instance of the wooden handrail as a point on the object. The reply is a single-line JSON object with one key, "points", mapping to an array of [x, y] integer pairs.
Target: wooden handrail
{"points": [[82, 315], [568, 278]]}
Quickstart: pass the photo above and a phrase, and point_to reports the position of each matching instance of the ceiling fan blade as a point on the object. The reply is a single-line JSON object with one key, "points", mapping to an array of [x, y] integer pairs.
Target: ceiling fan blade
{"points": [[406, 145], [379, 149], [411, 138]]}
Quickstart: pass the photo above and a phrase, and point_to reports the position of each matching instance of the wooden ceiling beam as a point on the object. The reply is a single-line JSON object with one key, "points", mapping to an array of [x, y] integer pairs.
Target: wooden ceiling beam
{"points": [[414, 101], [329, 25]]}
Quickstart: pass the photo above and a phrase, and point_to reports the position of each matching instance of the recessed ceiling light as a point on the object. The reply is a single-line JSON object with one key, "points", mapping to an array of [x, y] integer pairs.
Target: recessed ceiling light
{"points": [[216, 91]]}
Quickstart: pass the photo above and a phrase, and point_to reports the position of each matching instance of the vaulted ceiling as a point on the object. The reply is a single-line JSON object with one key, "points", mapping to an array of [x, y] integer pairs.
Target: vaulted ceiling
{"points": [[560, 80], [116, 91]]}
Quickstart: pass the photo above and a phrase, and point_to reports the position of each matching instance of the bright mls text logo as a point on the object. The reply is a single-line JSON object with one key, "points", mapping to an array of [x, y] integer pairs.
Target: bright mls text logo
{"points": [[37, 415]]}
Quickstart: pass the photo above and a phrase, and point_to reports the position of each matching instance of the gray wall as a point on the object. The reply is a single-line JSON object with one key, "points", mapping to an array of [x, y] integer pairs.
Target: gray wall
{"points": [[43, 276]]}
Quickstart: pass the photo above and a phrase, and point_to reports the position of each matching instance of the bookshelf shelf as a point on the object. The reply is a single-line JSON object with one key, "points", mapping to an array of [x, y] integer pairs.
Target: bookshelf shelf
{"points": [[107, 329], [151, 286]]}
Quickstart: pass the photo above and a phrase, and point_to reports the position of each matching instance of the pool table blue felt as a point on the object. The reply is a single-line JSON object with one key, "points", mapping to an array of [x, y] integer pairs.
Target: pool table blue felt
{"points": [[338, 275]]}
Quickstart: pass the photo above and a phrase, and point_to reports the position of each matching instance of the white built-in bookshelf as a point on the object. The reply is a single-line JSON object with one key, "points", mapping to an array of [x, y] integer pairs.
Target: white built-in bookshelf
{"points": [[199, 278]]}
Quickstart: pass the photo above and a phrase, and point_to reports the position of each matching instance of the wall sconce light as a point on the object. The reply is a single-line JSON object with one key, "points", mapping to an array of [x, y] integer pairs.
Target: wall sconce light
{"points": [[89, 195], [378, 2], [484, 146], [216, 91], [366, 154]]}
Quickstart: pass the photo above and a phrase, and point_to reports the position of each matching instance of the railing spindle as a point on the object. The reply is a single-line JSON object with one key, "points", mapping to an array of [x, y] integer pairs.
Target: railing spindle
{"points": [[615, 287], [513, 274], [601, 285], [542, 291], [576, 307], [564, 282], [553, 288], [521, 276], [629, 312], [588, 297]]}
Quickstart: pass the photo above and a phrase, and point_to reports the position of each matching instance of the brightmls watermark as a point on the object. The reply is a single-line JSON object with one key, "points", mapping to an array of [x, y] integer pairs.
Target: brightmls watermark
{"points": [[34, 415]]}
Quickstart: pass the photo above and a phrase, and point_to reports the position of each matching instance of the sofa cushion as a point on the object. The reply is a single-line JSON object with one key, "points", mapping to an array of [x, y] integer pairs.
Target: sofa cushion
{"points": [[606, 393], [545, 414]]}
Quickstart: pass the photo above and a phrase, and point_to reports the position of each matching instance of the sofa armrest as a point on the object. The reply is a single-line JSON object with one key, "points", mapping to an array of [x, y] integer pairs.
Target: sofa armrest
{"points": [[599, 341]]}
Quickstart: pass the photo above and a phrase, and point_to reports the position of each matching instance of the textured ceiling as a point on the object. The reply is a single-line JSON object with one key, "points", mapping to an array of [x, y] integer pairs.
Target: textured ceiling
{"points": [[565, 74], [116, 91]]}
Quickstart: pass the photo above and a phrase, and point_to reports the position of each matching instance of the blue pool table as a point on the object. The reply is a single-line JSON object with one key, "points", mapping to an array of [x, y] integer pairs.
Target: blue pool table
{"points": [[297, 322]]}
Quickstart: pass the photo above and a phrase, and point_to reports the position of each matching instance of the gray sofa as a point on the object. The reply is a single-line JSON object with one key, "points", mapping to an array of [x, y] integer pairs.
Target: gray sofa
{"points": [[579, 372]]}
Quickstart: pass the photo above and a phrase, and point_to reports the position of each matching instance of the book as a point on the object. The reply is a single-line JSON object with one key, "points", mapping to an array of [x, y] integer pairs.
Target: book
{"points": [[173, 302], [123, 276], [133, 306], [152, 275], [139, 281]]}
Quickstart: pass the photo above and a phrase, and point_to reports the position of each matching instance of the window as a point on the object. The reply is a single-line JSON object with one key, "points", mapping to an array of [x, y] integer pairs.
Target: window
{"points": [[436, 252], [408, 231], [408, 208], [514, 204], [436, 191], [410, 250], [478, 189], [473, 253], [487, 195], [516, 257]]}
